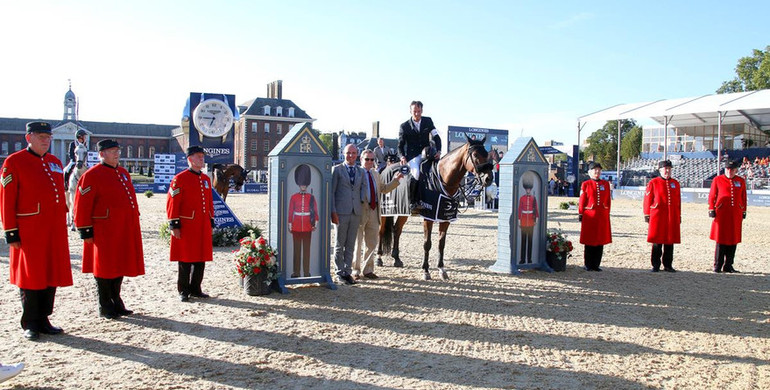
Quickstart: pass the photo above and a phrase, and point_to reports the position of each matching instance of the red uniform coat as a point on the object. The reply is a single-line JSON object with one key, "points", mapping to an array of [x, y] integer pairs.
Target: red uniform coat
{"points": [[594, 206], [189, 203], [34, 212], [528, 212], [663, 204], [728, 199], [301, 218], [106, 210]]}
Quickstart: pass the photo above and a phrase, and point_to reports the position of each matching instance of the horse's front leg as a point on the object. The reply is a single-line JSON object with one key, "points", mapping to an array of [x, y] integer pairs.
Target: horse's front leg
{"points": [[397, 229], [427, 228], [442, 229]]}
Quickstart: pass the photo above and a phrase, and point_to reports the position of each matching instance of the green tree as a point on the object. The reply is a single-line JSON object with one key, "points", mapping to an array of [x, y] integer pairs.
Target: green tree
{"points": [[328, 141], [631, 145], [603, 143], [752, 73]]}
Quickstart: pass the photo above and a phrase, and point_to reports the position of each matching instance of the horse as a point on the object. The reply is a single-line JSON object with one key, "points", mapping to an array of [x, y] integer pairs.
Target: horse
{"points": [[223, 173], [72, 183]]}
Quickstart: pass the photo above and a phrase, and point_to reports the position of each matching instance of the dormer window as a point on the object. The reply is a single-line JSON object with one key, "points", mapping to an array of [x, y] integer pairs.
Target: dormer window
{"points": [[266, 110], [279, 111], [291, 112]]}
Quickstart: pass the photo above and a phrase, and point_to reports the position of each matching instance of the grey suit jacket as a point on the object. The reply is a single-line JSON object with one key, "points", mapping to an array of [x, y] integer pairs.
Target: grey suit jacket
{"points": [[346, 197]]}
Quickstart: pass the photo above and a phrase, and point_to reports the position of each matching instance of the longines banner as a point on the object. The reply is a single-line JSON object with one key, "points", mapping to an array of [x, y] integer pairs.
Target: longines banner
{"points": [[496, 138], [212, 119]]}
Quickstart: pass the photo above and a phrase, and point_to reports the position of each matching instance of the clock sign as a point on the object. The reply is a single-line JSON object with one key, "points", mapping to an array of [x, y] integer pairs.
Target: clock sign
{"points": [[213, 118]]}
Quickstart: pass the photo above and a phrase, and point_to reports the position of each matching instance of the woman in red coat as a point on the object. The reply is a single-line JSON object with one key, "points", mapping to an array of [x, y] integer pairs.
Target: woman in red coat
{"points": [[663, 211], [727, 205], [594, 215]]}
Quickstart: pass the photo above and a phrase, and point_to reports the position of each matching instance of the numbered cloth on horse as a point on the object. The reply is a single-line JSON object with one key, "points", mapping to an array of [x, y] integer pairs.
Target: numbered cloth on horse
{"points": [[437, 206], [396, 202]]}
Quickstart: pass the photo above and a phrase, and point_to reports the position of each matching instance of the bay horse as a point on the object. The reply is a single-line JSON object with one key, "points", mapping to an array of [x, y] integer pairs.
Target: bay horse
{"points": [[72, 183], [224, 173], [452, 168]]}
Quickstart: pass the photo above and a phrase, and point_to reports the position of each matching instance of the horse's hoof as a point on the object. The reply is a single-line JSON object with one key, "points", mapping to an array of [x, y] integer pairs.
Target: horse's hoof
{"points": [[426, 275], [379, 262], [398, 264], [444, 275]]}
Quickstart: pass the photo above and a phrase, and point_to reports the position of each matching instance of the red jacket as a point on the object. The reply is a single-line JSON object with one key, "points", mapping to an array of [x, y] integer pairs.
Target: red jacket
{"points": [[594, 206], [107, 211], [34, 211], [528, 212], [303, 212], [663, 204], [728, 199], [189, 205]]}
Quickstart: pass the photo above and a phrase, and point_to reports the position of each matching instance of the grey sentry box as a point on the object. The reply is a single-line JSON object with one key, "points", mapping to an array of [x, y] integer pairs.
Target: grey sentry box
{"points": [[523, 209], [301, 158]]}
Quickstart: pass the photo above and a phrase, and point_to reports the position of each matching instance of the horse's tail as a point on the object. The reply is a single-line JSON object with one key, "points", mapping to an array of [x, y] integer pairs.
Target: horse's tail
{"points": [[387, 236]]}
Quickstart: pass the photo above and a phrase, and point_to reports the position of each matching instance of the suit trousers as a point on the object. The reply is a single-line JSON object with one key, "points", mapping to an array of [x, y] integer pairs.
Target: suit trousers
{"points": [[526, 244], [36, 306], [724, 255], [347, 228], [368, 235], [592, 257], [110, 302], [301, 249], [190, 284], [664, 251]]}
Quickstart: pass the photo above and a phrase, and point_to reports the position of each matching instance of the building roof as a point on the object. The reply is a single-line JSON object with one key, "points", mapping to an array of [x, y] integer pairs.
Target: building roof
{"points": [[255, 107], [97, 128]]}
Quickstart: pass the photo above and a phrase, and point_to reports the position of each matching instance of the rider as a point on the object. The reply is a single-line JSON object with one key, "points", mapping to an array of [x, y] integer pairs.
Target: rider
{"points": [[81, 140], [416, 134]]}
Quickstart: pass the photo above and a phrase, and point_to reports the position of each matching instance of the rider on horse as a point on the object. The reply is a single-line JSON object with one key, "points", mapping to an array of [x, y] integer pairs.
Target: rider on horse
{"points": [[414, 136], [81, 140]]}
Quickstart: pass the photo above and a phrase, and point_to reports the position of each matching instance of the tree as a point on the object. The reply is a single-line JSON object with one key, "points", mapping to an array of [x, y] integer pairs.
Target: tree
{"points": [[752, 73], [328, 142], [631, 147], [603, 143]]}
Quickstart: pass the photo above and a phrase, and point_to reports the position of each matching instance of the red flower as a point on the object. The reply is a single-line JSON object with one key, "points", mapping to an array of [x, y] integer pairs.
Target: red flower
{"points": [[257, 270], [261, 241]]}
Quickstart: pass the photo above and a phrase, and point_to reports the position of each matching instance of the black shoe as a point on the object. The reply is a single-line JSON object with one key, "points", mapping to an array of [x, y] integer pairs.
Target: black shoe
{"points": [[718, 271], [202, 295], [31, 335], [108, 315], [670, 269], [379, 262], [732, 270], [655, 270], [294, 276], [348, 279], [50, 329], [184, 297], [398, 264], [124, 312], [597, 269], [588, 269], [371, 275], [307, 275]]}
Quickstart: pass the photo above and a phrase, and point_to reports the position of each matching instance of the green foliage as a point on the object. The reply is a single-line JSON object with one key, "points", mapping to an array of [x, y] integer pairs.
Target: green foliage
{"points": [[165, 232], [328, 142], [631, 145], [149, 193], [565, 205], [228, 236], [603, 143], [752, 73]]}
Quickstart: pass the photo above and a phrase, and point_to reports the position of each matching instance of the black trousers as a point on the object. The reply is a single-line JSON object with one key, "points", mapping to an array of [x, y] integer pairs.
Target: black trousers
{"points": [[664, 252], [301, 252], [724, 255], [110, 302], [36, 306], [592, 256], [190, 277], [526, 244]]}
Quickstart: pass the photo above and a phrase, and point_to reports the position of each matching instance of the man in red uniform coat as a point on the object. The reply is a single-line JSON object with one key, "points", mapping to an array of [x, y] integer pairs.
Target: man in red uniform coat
{"points": [[663, 211], [34, 212], [528, 215], [190, 212], [727, 205], [594, 215], [107, 217], [303, 216]]}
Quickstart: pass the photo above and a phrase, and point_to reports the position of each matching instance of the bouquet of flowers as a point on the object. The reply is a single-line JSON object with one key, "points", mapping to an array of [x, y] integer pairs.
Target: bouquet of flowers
{"points": [[256, 257], [557, 242]]}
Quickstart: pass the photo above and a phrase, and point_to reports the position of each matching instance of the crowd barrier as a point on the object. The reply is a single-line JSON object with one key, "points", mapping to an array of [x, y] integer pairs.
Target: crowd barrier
{"points": [[694, 195]]}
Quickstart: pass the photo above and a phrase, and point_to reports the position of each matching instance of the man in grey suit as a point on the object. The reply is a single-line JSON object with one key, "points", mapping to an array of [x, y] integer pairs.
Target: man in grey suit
{"points": [[379, 155], [347, 194]]}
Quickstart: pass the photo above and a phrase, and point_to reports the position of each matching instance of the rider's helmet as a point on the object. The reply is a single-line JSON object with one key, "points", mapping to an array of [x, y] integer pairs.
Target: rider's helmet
{"points": [[80, 133]]}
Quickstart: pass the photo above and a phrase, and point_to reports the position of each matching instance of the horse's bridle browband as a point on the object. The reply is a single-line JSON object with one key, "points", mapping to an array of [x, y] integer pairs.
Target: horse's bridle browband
{"points": [[477, 167]]}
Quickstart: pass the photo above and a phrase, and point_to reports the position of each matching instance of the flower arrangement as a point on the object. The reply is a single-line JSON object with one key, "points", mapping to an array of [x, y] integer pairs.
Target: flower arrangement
{"points": [[256, 257], [557, 242]]}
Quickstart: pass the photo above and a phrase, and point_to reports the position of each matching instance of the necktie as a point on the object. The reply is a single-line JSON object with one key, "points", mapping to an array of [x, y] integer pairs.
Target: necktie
{"points": [[372, 196], [352, 174]]}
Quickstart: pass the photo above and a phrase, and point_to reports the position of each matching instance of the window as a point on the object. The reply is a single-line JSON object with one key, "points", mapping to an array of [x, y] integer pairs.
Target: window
{"points": [[279, 128], [17, 146], [5, 148], [278, 111], [266, 145], [253, 145], [254, 127], [140, 152], [264, 162], [266, 110], [152, 152], [253, 162], [129, 151], [267, 128], [291, 112]]}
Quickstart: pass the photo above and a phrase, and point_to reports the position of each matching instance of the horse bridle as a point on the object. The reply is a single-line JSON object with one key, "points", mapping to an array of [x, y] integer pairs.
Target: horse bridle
{"points": [[477, 168]]}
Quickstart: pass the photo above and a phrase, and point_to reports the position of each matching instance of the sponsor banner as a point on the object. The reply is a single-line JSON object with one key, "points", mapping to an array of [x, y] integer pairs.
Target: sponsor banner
{"points": [[223, 216], [164, 169], [169, 159], [255, 188], [759, 200], [157, 188]]}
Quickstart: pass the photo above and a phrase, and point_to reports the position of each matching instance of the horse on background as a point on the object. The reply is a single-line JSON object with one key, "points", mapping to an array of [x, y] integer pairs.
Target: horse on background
{"points": [[224, 174], [452, 168], [72, 183]]}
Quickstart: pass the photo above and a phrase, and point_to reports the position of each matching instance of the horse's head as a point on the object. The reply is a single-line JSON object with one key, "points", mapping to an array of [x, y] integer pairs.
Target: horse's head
{"points": [[239, 177], [477, 160], [80, 152]]}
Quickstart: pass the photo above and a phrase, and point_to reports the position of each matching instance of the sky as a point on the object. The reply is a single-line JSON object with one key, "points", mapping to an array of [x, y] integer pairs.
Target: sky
{"points": [[530, 67]]}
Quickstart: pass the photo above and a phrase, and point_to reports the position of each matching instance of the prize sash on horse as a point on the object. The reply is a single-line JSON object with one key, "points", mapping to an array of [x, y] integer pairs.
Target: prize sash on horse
{"points": [[396, 202], [436, 205]]}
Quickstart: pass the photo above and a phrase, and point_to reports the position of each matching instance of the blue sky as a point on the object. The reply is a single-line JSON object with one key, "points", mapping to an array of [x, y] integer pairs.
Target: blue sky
{"points": [[525, 66]]}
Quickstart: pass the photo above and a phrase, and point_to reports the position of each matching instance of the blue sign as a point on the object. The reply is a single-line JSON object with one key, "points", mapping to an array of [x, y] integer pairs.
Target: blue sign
{"points": [[223, 216], [255, 188], [158, 188], [495, 137]]}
